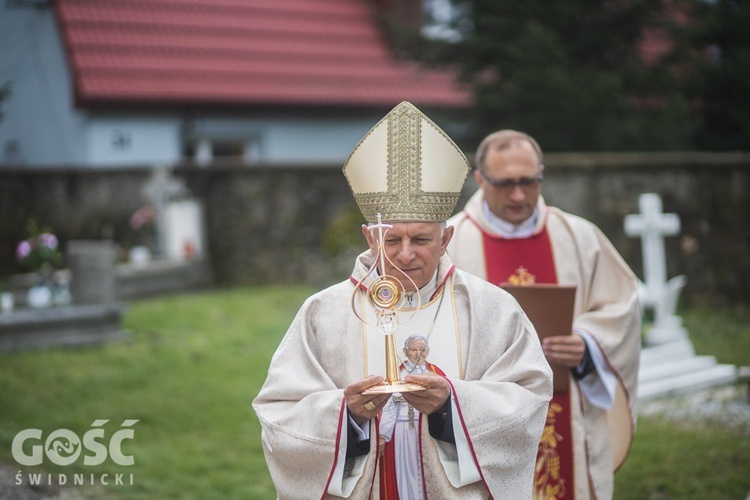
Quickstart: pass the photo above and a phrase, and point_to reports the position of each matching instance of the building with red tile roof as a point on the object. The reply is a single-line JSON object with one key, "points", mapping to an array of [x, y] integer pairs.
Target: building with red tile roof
{"points": [[143, 81], [271, 52]]}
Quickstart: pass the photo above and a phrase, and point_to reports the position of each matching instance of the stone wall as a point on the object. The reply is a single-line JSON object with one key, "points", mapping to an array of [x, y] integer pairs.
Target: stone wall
{"points": [[300, 223], [709, 192]]}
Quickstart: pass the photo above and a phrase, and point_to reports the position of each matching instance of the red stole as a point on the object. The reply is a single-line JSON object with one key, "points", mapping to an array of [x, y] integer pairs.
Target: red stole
{"points": [[553, 474], [503, 257], [388, 484]]}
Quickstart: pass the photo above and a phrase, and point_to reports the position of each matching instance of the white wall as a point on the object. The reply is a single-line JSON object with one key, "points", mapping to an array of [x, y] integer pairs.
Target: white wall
{"points": [[289, 139], [133, 140], [323, 140]]}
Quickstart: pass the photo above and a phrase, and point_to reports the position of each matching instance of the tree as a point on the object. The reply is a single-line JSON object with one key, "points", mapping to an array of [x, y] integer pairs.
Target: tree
{"points": [[572, 74], [716, 51]]}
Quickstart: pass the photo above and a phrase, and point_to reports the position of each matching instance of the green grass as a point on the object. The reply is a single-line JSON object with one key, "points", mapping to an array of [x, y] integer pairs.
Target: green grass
{"points": [[196, 362], [189, 376], [724, 334], [673, 460], [699, 459]]}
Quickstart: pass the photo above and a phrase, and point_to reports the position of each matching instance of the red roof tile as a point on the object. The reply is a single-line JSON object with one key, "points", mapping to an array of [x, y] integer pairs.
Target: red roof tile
{"points": [[247, 52]]}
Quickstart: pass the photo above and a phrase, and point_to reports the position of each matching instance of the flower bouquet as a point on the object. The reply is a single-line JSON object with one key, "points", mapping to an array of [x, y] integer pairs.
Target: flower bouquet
{"points": [[39, 251], [40, 254]]}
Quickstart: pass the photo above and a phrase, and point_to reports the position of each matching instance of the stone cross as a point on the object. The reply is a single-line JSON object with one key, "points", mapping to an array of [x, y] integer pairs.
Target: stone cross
{"points": [[651, 225], [159, 190]]}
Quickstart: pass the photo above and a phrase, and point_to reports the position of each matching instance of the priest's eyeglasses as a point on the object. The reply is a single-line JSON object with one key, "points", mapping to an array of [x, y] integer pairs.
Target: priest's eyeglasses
{"points": [[525, 183]]}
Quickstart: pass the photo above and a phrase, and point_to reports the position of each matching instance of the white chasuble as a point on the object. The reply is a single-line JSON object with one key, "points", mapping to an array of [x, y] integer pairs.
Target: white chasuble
{"points": [[606, 311], [436, 321], [500, 389]]}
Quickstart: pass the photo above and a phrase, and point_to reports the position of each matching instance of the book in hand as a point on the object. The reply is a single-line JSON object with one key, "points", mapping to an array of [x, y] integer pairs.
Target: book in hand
{"points": [[550, 310]]}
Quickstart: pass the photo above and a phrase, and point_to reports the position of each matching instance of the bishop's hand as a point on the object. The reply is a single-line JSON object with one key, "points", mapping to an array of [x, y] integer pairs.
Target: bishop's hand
{"points": [[436, 393], [364, 407]]}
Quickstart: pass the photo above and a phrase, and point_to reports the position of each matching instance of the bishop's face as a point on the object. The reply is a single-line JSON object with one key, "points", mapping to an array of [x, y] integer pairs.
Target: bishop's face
{"points": [[413, 249]]}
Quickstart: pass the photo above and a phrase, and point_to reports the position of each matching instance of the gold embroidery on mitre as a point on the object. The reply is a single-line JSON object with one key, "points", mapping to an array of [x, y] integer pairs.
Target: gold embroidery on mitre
{"points": [[522, 277], [548, 484], [406, 169]]}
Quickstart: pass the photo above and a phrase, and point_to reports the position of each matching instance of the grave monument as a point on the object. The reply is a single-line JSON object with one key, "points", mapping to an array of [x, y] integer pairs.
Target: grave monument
{"points": [[179, 260], [93, 316], [657, 293], [669, 364]]}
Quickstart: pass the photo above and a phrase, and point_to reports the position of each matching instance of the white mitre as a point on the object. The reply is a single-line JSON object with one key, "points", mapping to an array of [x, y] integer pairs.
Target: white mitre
{"points": [[406, 169]]}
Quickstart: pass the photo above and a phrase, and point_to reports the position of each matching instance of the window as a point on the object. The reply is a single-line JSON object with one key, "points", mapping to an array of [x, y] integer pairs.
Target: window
{"points": [[205, 151]]}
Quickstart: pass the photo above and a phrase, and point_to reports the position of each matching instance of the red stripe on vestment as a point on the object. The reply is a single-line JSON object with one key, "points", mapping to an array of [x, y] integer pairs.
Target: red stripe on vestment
{"points": [[342, 413], [553, 474], [554, 471]]}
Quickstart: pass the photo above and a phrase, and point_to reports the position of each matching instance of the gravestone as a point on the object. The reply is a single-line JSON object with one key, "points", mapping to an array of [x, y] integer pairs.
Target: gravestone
{"points": [[184, 229], [180, 259], [94, 315], [92, 267], [160, 190], [668, 363], [72, 326]]}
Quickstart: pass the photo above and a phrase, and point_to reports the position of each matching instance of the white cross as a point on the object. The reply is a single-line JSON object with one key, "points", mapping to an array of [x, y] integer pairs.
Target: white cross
{"points": [[652, 226]]}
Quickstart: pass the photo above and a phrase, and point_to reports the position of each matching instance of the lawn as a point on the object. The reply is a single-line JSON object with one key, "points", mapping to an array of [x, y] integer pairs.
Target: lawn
{"points": [[701, 458], [188, 376], [196, 361]]}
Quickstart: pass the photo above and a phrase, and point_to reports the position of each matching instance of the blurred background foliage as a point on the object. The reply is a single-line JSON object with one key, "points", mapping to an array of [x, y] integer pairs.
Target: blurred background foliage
{"points": [[600, 75]]}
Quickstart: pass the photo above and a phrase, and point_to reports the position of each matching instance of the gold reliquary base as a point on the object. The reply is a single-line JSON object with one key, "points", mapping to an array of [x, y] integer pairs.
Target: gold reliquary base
{"points": [[398, 386]]}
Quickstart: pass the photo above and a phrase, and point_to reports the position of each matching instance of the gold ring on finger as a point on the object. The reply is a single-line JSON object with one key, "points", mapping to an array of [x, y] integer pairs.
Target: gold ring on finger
{"points": [[369, 406]]}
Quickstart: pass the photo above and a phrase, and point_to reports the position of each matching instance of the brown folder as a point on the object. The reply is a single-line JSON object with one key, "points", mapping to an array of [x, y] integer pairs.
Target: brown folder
{"points": [[550, 309]]}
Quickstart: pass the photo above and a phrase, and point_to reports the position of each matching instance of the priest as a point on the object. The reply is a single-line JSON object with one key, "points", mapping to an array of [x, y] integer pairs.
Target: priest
{"points": [[507, 234], [478, 421]]}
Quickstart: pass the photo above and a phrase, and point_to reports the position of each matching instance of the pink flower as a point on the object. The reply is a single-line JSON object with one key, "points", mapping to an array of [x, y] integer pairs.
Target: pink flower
{"points": [[142, 216], [48, 240], [23, 250]]}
